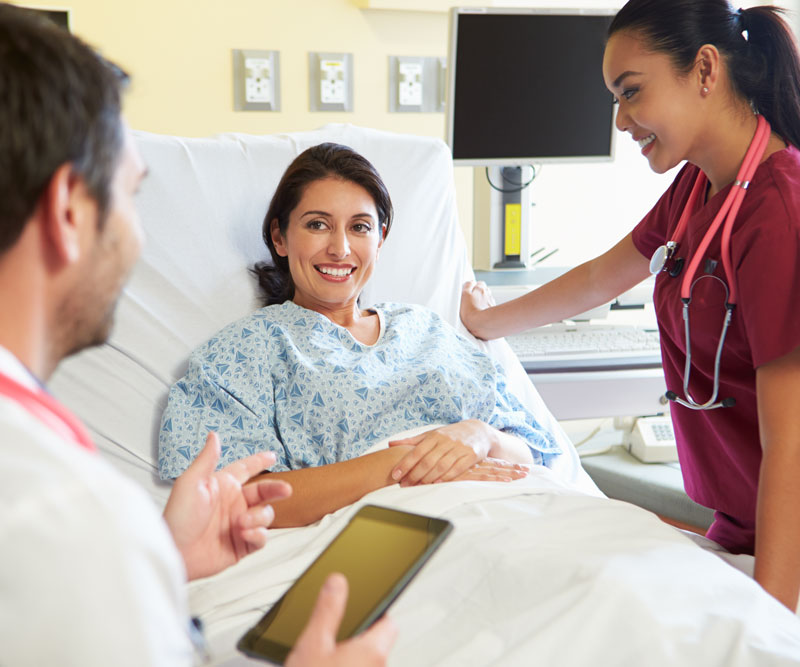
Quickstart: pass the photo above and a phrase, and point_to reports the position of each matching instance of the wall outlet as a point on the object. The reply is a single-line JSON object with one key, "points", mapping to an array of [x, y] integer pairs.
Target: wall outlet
{"points": [[416, 83], [330, 77], [258, 80], [256, 85], [332, 82], [409, 87]]}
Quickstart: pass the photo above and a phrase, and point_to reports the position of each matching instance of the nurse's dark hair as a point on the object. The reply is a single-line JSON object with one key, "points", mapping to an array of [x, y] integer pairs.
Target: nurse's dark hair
{"points": [[314, 164], [756, 43], [59, 104]]}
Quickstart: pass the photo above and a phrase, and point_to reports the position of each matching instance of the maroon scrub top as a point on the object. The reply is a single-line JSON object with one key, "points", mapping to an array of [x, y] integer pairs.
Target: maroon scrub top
{"points": [[720, 450]]}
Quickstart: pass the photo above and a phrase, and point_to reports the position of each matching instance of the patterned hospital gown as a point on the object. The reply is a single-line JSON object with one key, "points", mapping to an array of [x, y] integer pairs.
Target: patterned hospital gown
{"points": [[287, 379]]}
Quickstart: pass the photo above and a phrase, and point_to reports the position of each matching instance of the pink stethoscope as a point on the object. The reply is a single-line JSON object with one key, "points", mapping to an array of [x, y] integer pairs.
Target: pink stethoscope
{"points": [[727, 212]]}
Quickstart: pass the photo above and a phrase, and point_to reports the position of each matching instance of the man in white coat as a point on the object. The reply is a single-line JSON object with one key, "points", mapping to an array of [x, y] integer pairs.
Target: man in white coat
{"points": [[90, 573]]}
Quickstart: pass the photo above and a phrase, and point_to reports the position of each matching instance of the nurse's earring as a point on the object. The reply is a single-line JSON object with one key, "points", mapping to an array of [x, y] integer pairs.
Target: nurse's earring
{"points": [[704, 91]]}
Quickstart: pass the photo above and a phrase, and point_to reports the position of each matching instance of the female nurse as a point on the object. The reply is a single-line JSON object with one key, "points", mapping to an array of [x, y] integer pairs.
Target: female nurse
{"points": [[699, 81]]}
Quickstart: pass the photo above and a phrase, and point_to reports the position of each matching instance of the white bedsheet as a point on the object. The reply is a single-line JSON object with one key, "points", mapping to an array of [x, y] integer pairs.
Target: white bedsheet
{"points": [[535, 572]]}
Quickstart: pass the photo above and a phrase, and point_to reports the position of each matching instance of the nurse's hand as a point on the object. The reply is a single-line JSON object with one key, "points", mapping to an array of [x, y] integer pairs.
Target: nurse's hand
{"points": [[475, 297], [215, 519], [317, 647], [452, 452]]}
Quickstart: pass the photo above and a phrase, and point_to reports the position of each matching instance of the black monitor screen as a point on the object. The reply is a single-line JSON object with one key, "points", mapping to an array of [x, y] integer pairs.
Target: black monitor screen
{"points": [[528, 86]]}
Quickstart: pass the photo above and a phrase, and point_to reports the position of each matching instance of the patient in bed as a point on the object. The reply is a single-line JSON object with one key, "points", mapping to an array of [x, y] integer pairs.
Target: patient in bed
{"points": [[318, 380]]}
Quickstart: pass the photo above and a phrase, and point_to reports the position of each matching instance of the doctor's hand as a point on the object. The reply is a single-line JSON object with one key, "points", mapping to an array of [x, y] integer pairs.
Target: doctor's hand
{"points": [[317, 647], [447, 453], [214, 517], [475, 297]]}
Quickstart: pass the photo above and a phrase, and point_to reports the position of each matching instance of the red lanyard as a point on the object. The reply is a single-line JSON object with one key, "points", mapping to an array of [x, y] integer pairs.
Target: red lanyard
{"points": [[48, 411]]}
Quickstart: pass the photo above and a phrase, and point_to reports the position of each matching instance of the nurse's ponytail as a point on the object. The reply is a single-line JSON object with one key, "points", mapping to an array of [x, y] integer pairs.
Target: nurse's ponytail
{"points": [[757, 44]]}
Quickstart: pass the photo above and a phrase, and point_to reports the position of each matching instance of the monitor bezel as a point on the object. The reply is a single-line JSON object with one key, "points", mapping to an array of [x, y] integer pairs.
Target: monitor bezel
{"points": [[455, 12]]}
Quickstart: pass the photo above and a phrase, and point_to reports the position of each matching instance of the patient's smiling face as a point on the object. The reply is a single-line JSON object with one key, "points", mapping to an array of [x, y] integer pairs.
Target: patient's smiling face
{"points": [[332, 242]]}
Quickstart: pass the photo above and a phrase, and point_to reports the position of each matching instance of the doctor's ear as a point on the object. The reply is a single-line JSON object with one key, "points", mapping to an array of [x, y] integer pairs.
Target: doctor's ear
{"points": [[277, 238], [67, 211]]}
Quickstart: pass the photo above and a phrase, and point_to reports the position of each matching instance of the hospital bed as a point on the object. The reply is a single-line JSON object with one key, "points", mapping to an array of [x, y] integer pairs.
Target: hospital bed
{"points": [[544, 570]]}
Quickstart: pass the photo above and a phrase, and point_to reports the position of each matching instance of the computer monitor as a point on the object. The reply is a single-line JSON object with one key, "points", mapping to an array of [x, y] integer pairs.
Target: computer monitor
{"points": [[526, 86]]}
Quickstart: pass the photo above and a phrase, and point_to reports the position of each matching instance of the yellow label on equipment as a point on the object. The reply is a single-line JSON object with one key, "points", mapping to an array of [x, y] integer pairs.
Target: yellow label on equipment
{"points": [[513, 233]]}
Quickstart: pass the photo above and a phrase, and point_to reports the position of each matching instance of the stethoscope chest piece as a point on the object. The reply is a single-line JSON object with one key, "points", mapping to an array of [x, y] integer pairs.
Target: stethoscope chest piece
{"points": [[659, 259]]}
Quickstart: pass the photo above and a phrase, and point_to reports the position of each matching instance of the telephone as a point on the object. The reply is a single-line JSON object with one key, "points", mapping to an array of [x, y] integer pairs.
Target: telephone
{"points": [[652, 440]]}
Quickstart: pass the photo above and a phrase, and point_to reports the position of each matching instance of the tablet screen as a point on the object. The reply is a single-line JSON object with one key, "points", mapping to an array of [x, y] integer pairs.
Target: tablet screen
{"points": [[379, 551]]}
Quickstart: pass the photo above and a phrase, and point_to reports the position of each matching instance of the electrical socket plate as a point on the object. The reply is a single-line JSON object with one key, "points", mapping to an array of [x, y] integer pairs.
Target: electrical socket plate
{"points": [[330, 77], [416, 84], [256, 80], [409, 86]]}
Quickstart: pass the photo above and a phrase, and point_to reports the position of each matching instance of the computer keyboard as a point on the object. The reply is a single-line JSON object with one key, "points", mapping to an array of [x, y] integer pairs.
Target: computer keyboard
{"points": [[562, 347]]}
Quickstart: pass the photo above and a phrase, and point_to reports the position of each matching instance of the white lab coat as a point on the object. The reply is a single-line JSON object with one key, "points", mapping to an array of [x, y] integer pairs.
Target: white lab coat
{"points": [[89, 574]]}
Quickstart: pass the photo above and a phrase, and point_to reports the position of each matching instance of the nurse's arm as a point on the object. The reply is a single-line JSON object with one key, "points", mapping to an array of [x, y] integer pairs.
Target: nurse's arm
{"points": [[777, 566], [587, 286]]}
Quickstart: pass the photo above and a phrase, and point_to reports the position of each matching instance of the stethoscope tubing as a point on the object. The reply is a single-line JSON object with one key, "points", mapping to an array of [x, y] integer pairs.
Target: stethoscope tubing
{"points": [[727, 215], [710, 404]]}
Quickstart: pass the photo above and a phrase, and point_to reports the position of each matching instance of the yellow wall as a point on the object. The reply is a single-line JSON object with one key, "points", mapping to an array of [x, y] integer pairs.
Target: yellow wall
{"points": [[179, 53]]}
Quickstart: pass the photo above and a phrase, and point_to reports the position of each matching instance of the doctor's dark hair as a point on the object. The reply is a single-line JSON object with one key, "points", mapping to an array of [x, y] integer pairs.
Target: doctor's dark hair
{"points": [[756, 43], [60, 103], [314, 164]]}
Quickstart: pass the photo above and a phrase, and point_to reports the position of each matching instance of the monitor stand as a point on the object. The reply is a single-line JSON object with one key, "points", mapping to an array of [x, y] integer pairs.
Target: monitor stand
{"points": [[511, 216]]}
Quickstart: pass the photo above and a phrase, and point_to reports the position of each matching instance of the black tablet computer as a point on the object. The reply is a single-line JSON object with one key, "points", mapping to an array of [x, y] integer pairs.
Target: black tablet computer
{"points": [[379, 551]]}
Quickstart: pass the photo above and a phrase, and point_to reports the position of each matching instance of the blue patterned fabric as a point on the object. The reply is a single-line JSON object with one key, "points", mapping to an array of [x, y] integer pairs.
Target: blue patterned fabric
{"points": [[287, 379]]}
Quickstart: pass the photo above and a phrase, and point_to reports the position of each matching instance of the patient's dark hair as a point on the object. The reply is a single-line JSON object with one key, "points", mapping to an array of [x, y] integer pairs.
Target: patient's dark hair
{"points": [[314, 164], [59, 103], [756, 43]]}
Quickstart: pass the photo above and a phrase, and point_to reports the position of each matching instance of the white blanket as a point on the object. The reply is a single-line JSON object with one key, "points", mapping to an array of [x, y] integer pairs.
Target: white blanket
{"points": [[535, 572]]}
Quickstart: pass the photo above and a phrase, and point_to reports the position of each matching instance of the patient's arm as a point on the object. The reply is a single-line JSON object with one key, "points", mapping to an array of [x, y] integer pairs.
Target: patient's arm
{"points": [[325, 489], [444, 453]]}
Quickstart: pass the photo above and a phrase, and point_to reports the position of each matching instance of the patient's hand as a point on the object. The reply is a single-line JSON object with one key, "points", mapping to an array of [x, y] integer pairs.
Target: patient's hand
{"points": [[317, 647], [216, 519], [494, 470], [449, 452], [475, 297]]}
